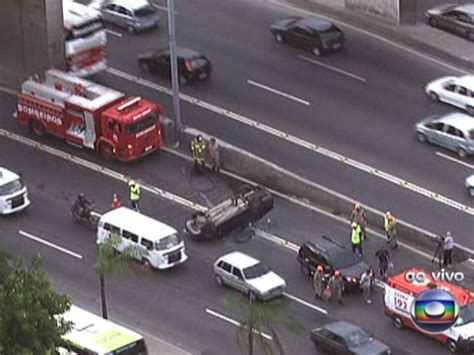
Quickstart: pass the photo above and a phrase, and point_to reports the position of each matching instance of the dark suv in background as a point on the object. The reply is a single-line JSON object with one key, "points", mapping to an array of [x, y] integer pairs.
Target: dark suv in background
{"points": [[332, 256], [312, 33], [454, 18]]}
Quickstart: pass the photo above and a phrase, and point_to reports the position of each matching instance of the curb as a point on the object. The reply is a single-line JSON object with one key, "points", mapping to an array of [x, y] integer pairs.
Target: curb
{"points": [[375, 25]]}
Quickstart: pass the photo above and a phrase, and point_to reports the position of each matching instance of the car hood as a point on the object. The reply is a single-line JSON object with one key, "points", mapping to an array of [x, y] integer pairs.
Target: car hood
{"points": [[267, 282], [375, 347], [355, 270], [283, 23], [439, 10], [470, 181]]}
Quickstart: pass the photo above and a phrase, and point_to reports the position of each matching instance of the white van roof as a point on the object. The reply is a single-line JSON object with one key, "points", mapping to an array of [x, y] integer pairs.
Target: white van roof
{"points": [[138, 223]]}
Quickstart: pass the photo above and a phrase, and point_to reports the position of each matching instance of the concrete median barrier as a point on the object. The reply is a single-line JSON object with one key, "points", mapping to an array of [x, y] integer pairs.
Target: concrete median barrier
{"points": [[272, 176]]}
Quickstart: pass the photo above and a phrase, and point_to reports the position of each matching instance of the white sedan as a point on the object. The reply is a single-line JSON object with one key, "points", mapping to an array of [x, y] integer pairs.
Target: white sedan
{"points": [[248, 275], [457, 91], [470, 185]]}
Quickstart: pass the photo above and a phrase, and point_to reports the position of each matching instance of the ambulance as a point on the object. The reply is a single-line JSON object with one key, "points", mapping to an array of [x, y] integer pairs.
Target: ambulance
{"points": [[400, 293]]}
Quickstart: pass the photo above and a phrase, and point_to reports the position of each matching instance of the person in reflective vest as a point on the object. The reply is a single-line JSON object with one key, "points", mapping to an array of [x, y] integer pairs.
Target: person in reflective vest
{"points": [[198, 150], [134, 190], [390, 225], [356, 239]]}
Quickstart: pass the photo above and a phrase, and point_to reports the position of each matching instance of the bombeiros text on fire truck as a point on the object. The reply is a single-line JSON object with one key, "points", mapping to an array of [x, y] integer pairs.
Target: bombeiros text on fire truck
{"points": [[90, 115]]}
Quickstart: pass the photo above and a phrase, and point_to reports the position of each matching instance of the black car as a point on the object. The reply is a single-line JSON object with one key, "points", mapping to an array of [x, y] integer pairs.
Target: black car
{"points": [[332, 256], [192, 65], [312, 33], [341, 337], [458, 19], [234, 213]]}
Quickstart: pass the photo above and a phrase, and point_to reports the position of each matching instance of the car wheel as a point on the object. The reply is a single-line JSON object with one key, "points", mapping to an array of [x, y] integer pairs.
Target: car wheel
{"points": [[38, 129], [106, 151], [146, 264], [470, 36], [470, 110], [420, 137], [279, 38], [461, 153], [453, 348], [145, 66], [219, 280], [130, 29], [182, 80], [305, 270], [434, 96], [398, 322], [433, 22], [316, 51], [471, 191]]}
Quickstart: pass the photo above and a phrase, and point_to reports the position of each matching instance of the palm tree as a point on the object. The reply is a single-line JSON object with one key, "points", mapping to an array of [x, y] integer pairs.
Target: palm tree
{"points": [[259, 317], [110, 262]]}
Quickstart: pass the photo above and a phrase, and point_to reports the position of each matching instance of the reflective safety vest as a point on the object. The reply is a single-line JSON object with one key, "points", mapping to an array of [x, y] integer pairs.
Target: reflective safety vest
{"points": [[134, 192], [356, 236], [389, 224], [198, 148]]}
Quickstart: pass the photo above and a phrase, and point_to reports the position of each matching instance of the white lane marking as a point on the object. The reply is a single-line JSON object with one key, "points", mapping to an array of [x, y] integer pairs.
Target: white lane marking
{"points": [[294, 247], [278, 92], [304, 303], [234, 322], [163, 8], [49, 244], [113, 33], [373, 35], [7, 90], [302, 143], [460, 162], [330, 67]]}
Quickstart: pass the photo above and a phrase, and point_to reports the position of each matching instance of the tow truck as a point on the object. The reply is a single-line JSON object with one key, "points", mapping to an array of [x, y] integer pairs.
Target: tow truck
{"points": [[89, 115]]}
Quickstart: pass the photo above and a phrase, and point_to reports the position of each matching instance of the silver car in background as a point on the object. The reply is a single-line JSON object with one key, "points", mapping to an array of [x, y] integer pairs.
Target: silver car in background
{"points": [[470, 185], [248, 275], [133, 15], [454, 131]]}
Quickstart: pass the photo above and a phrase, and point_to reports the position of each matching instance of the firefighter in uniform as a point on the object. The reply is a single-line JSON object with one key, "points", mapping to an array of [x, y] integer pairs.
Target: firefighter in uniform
{"points": [[134, 190], [390, 225], [356, 239], [116, 202], [198, 150], [318, 282]]}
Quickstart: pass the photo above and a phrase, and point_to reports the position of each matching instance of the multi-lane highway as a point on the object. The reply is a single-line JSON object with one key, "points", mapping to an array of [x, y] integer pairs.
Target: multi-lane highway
{"points": [[361, 103], [179, 304]]}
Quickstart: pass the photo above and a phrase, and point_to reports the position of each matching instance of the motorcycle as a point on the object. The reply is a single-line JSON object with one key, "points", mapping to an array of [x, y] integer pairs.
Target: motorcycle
{"points": [[85, 216]]}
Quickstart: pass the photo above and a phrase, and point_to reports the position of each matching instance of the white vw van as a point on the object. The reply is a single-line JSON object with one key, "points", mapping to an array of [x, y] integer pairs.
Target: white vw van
{"points": [[13, 193], [162, 246]]}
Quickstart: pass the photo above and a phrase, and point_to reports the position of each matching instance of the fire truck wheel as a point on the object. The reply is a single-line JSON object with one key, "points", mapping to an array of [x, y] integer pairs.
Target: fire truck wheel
{"points": [[452, 346], [105, 151], [398, 322], [37, 128]]}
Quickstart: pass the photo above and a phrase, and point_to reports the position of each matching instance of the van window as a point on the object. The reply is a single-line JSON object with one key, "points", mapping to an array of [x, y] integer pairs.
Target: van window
{"points": [[147, 244], [168, 242], [237, 272], [225, 266], [131, 236], [106, 226], [451, 130], [114, 230]]}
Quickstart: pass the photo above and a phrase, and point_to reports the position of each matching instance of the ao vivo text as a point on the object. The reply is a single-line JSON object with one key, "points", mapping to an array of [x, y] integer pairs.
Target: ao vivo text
{"points": [[441, 275]]}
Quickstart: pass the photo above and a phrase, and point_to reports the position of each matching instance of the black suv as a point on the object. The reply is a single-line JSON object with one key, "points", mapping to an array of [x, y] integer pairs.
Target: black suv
{"points": [[332, 256]]}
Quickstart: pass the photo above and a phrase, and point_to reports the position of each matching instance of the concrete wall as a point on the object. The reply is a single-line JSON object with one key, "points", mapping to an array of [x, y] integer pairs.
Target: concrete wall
{"points": [[32, 38], [388, 9], [269, 175]]}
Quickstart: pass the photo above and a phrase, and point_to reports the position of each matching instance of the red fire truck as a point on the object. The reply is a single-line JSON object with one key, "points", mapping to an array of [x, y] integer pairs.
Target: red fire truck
{"points": [[89, 115]]}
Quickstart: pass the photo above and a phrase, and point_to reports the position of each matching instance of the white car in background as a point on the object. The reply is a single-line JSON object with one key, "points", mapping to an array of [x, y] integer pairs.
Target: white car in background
{"points": [[470, 185], [13, 193], [457, 91], [248, 275]]}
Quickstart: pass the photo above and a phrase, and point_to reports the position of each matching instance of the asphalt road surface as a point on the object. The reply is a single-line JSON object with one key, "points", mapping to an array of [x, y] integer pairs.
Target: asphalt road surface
{"points": [[361, 102], [172, 304]]}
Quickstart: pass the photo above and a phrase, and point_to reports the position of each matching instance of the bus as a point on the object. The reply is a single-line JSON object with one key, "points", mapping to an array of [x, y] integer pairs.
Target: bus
{"points": [[85, 39], [93, 335]]}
